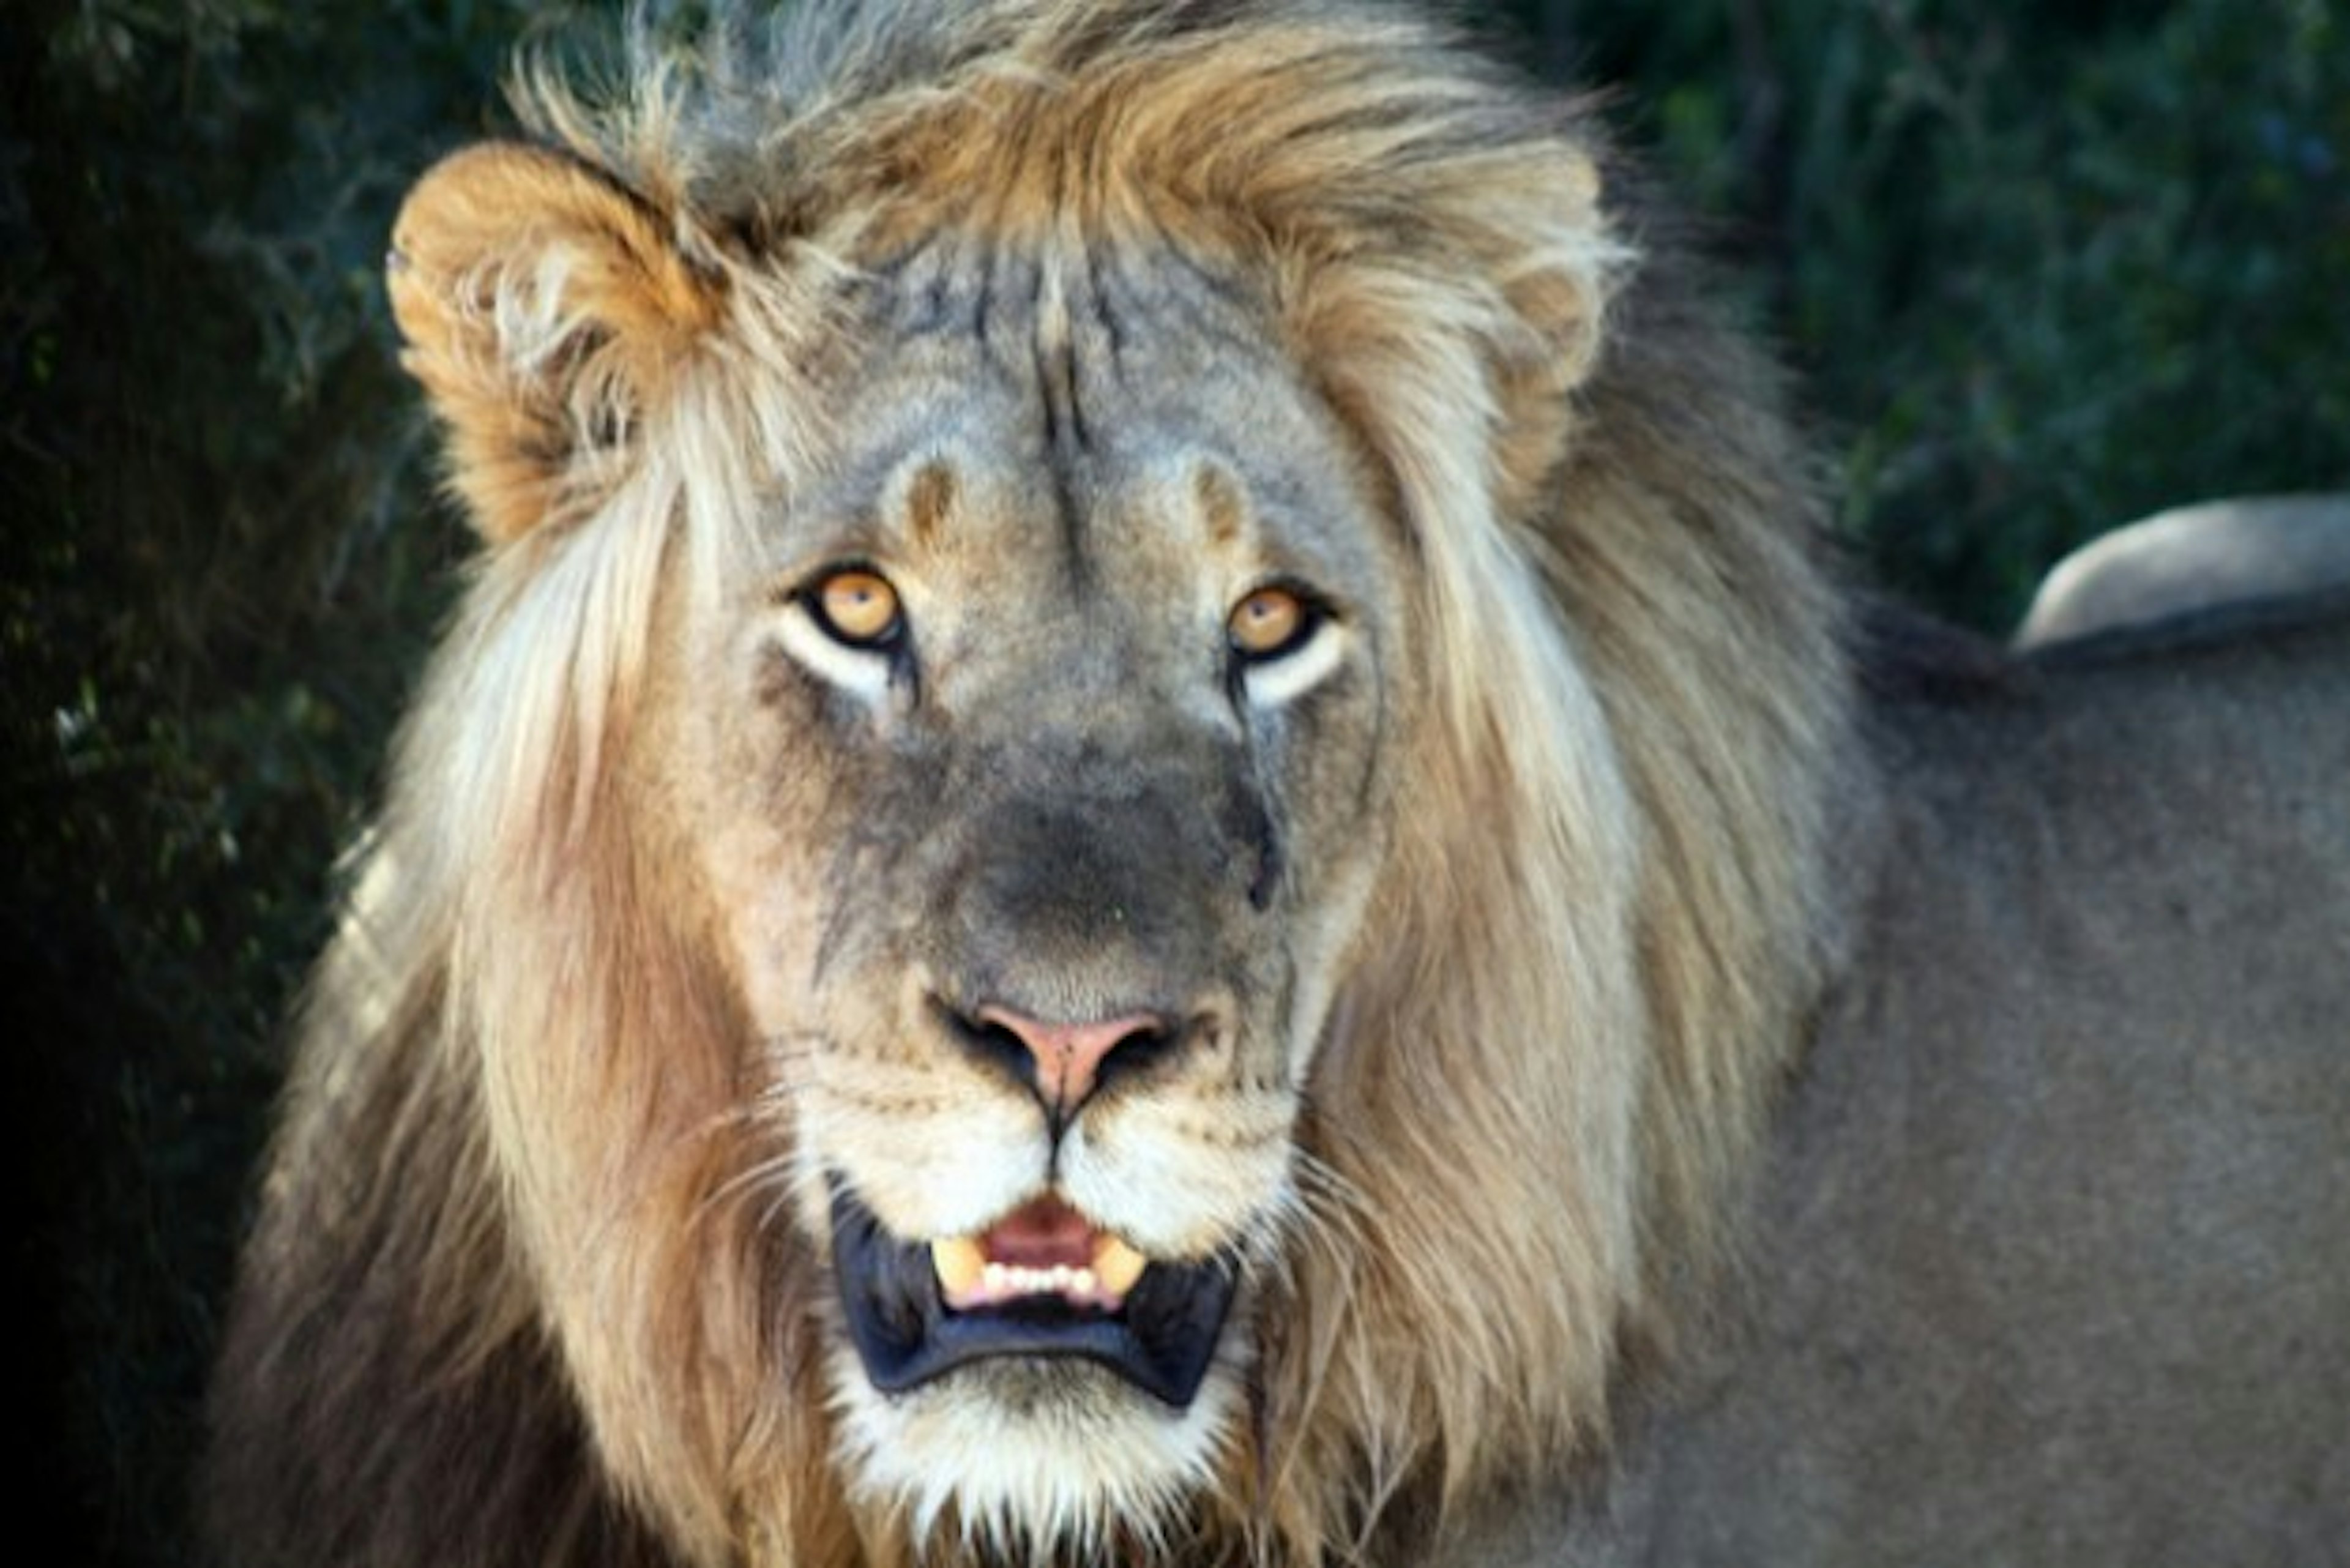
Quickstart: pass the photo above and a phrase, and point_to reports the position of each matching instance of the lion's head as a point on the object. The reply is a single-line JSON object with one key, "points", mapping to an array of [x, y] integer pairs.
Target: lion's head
{"points": [[1118, 838]]}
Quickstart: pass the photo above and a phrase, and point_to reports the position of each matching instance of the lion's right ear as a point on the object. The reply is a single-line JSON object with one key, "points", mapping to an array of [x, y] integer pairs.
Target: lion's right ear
{"points": [[545, 308]]}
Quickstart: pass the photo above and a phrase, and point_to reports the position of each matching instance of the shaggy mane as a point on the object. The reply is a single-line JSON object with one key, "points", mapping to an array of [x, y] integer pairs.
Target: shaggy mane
{"points": [[1586, 969]]}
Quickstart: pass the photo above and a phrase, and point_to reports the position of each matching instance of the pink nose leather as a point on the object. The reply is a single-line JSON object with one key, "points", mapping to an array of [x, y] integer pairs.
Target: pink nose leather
{"points": [[1068, 1056]]}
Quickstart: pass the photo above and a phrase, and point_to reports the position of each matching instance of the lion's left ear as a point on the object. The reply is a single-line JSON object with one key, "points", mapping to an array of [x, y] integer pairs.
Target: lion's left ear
{"points": [[1559, 263], [1559, 314], [545, 308]]}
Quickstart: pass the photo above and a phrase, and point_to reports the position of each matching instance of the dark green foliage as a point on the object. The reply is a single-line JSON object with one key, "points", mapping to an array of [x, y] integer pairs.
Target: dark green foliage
{"points": [[2045, 267], [220, 563]]}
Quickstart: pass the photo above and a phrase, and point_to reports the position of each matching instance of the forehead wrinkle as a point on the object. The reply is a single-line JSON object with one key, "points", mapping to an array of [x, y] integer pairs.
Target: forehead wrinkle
{"points": [[1126, 366], [1090, 300], [1011, 326]]}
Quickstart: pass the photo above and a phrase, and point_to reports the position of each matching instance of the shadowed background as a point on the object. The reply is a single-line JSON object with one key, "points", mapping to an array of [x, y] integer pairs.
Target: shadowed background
{"points": [[2041, 266]]}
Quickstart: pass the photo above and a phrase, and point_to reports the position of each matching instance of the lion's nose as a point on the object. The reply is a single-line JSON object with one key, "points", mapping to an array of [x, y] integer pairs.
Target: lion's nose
{"points": [[1064, 1063]]}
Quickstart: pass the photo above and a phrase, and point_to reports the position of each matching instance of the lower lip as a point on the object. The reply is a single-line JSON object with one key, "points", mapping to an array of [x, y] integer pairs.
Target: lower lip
{"points": [[1161, 1342]]}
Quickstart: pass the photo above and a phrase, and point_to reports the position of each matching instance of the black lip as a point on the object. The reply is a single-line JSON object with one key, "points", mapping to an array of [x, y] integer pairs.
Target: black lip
{"points": [[1161, 1341]]}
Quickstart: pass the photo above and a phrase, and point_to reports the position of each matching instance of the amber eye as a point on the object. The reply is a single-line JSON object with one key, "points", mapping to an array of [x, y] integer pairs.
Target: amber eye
{"points": [[857, 607], [1269, 622]]}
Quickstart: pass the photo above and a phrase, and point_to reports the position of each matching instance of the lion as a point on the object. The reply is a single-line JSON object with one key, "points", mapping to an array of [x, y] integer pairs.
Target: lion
{"points": [[2236, 556], [1156, 832]]}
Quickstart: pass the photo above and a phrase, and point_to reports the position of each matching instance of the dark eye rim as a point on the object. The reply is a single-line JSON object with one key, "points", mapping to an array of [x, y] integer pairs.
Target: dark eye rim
{"points": [[809, 595], [1315, 612]]}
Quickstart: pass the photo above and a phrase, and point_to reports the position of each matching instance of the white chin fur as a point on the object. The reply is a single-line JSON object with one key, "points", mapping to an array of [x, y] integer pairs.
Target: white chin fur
{"points": [[1021, 1460]]}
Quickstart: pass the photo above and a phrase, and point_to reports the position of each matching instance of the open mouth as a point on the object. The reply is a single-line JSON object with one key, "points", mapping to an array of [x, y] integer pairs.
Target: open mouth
{"points": [[1041, 1283]]}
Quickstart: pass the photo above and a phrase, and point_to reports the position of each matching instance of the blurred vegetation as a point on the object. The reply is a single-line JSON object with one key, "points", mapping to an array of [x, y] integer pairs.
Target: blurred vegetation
{"points": [[2044, 268], [2047, 265]]}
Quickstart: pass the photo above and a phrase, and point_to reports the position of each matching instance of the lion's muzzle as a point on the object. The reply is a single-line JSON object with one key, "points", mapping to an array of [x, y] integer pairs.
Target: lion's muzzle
{"points": [[1050, 1288], [1064, 1064]]}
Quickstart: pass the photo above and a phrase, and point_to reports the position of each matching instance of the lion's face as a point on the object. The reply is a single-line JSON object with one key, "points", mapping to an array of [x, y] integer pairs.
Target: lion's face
{"points": [[1047, 737], [1118, 844], [1098, 717]]}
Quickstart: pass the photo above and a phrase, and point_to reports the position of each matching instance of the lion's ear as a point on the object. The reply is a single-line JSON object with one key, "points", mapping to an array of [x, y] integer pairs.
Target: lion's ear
{"points": [[545, 307]]}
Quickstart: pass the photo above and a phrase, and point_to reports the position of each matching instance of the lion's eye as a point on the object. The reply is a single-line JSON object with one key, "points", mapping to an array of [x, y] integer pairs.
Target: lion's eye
{"points": [[857, 607], [1269, 623], [1285, 641]]}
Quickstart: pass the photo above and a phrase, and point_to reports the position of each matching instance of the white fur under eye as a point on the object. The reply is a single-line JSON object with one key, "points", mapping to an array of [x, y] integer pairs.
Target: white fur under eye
{"points": [[1269, 682], [862, 672]]}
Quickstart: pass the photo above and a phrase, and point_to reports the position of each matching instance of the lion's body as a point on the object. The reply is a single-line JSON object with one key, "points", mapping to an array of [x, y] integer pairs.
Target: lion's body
{"points": [[2047, 1258], [1150, 783], [2214, 556]]}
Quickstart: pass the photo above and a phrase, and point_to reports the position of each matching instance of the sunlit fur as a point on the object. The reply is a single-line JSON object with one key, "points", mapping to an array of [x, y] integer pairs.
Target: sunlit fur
{"points": [[1583, 960]]}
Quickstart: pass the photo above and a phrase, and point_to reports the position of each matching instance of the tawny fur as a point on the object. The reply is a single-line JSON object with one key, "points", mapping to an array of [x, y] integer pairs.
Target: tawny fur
{"points": [[521, 1292]]}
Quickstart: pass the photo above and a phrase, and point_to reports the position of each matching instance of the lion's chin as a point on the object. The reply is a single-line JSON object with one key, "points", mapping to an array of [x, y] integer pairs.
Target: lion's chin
{"points": [[1045, 1460], [1157, 1329]]}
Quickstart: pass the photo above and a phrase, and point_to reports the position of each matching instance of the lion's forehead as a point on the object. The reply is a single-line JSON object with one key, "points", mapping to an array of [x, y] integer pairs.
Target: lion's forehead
{"points": [[1071, 412]]}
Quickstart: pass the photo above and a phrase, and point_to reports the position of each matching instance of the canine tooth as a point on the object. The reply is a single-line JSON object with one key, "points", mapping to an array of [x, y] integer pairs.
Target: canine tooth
{"points": [[960, 1264], [968, 1278], [1116, 1266]]}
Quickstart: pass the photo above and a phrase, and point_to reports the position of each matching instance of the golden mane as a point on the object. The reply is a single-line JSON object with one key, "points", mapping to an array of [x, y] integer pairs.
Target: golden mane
{"points": [[1587, 967]]}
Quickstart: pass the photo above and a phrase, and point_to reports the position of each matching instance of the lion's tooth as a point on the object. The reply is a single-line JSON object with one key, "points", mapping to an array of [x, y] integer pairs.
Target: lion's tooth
{"points": [[960, 1264], [1116, 1266], [968, 1278]]}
